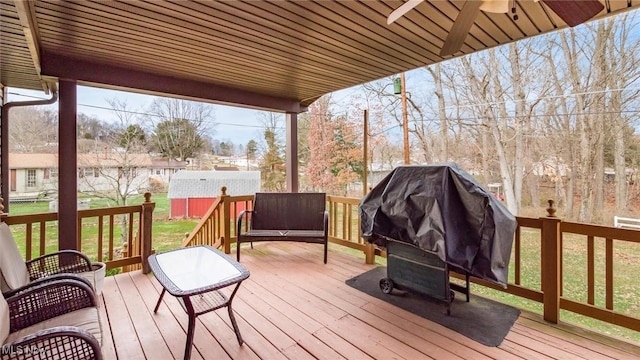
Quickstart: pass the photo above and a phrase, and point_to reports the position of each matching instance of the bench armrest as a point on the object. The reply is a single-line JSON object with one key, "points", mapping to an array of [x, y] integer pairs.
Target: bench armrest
{"points": [[243, 214], [326, 223]]}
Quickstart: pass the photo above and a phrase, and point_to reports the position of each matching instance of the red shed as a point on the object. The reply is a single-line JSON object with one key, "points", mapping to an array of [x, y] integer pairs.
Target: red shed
{"points": [[191, 193]]}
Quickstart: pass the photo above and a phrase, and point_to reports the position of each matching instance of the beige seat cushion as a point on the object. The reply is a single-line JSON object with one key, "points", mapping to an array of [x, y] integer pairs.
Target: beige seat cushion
{"points": [[87, 319], [13, 270], [4, 319]]}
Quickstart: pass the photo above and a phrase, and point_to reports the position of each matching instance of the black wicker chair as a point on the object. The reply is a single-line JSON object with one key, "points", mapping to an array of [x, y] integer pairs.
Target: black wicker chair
{"points": [[15, 273], [26, 335]]}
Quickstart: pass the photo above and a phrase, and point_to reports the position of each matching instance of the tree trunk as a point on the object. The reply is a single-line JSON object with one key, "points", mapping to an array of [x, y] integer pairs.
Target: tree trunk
{"points": [[519, 125], [585, 142], [443, 140], [599, 105]]}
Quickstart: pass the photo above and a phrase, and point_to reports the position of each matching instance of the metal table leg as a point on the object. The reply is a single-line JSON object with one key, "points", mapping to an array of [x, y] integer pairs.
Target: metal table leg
{"points": [[155, 310], [192, 327], [233, 319]]}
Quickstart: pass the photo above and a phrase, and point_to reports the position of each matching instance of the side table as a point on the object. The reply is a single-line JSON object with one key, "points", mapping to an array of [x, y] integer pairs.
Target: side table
{"points": [[195, 276]]}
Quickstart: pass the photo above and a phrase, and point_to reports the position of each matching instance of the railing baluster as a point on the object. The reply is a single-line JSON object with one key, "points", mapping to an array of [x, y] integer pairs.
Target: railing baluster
{"points": [[43, 238], [132, 247], [561, 265], [100, 236], [111, 231], [79, 232], [518, 258], [609, 273], [29, 240], [591, 270], [349, 216]]}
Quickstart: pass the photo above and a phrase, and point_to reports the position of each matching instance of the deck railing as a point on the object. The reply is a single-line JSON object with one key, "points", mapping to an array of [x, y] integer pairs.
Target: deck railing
{"points": [[540, 249], [217, 227], [118, 236]]}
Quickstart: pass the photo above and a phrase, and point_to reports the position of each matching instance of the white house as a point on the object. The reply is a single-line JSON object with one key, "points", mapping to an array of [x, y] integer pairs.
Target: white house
{"points": [[34, 174]]}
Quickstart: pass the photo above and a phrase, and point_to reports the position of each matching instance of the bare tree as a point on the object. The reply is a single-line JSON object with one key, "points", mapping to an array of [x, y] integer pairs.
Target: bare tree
{"points": [[436, 74], [117, 168], [272, 162], [180, 127], [32, 129]]}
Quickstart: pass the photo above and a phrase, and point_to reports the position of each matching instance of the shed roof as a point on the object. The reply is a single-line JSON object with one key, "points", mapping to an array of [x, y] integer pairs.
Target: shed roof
{"points": [[208, 184]]}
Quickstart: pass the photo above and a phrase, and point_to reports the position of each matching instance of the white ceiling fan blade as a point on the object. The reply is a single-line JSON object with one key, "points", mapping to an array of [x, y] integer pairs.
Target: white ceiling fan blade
{"points": [[403, 9], [461, 27]]}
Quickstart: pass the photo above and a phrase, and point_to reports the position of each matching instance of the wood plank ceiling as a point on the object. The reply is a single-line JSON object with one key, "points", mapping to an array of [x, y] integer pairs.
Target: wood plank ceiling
{"points": [[278, 55]]}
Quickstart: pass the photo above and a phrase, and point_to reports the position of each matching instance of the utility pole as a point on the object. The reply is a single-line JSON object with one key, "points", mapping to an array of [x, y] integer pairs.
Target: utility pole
{"points": [[405, 120]]}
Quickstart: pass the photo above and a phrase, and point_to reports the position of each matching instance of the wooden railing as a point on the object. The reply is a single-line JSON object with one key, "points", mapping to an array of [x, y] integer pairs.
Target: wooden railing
{"points": [[536, 271], [217, 227], [103, 234]]}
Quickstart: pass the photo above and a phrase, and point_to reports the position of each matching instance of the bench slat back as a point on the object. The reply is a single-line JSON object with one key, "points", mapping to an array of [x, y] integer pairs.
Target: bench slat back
{"points": [[288, 211]]}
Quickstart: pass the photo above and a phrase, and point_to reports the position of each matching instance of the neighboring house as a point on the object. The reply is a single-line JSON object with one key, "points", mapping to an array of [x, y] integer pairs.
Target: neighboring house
{"points": [[32, 174], [378, 171], [242, 162], [35, 174], [163, 169], [550, 169], [191, 193], [108, 171]]}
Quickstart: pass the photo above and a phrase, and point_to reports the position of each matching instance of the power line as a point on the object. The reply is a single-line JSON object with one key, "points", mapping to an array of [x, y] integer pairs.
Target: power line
{"points": [[134, 112]]}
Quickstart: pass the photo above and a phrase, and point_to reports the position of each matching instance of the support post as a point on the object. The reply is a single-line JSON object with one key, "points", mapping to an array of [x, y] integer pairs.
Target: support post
{"points": [[551, 265], [146, 227], [226, 221], [68, 167], [292, 152], [369, 254]]}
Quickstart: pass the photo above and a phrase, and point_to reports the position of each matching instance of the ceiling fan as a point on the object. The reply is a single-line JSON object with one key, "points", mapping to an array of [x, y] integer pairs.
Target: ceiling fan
{"points": [[572, 12]]}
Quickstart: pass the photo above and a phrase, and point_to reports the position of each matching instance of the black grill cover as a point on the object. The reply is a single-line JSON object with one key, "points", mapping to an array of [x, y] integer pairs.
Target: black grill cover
{"points": [[442, 209]]}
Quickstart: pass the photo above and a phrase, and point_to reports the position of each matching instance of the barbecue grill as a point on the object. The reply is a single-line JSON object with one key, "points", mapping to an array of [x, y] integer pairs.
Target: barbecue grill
{"points": [[435, 219]]}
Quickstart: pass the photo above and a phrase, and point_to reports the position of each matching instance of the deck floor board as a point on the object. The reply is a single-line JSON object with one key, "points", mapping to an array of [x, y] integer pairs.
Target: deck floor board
{"points": [[295, 307]]}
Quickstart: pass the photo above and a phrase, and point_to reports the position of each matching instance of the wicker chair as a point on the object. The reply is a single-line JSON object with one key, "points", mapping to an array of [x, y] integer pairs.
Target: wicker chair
{"points": [[53, 320], [15, 273]]}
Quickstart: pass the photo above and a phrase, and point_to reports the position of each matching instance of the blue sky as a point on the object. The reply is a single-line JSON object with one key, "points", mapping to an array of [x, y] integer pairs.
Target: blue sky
{"points": [[235, 124]]}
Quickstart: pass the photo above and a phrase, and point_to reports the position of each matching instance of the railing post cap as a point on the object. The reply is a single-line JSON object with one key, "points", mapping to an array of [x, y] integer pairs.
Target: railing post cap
{"points": [[147, 197], [224, 191], [551, 210]]}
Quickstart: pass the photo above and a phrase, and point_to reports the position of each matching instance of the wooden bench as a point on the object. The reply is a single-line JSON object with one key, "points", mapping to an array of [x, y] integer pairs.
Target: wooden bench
{"points": [[285, 217]]}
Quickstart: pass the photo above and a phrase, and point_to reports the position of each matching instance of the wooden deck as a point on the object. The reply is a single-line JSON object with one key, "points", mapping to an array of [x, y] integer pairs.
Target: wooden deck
{"points": [[295, 307]]}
